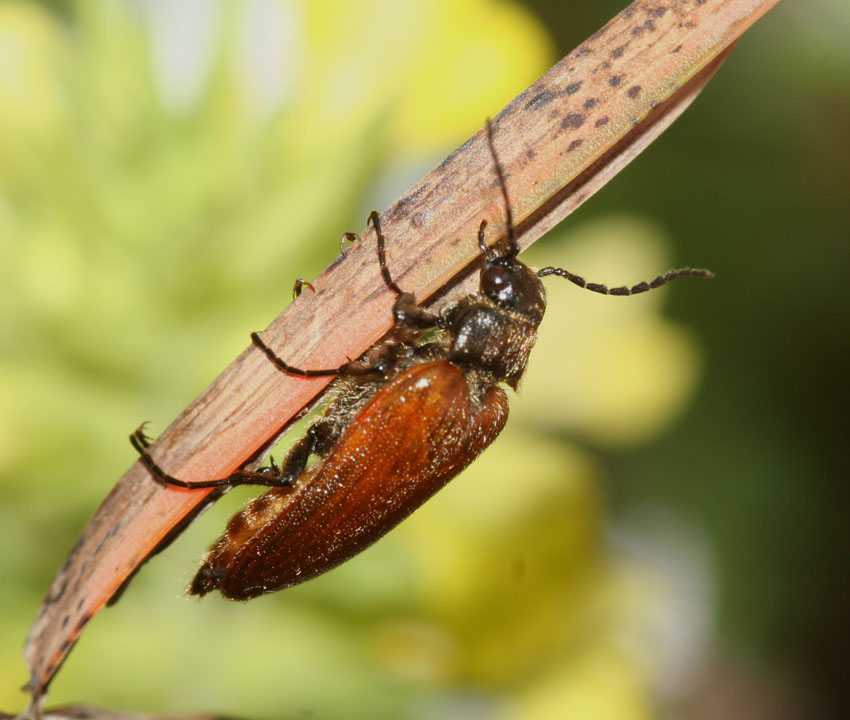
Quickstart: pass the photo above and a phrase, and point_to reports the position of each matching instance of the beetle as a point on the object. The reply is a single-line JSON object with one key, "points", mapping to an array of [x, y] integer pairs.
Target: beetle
{"points": [[404, 420]]}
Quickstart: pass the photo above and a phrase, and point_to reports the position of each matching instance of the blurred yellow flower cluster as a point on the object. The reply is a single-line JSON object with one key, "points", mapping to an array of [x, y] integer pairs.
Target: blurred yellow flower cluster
{"points": [[166, 170]]}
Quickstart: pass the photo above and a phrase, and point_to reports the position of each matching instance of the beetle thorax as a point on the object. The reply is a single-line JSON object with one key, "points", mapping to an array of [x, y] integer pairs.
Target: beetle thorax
{"points": [[493, 331]]}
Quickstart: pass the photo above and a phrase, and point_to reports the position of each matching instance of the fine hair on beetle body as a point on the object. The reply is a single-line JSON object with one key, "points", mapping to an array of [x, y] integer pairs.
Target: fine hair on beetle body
{"points": [[402, 421]]}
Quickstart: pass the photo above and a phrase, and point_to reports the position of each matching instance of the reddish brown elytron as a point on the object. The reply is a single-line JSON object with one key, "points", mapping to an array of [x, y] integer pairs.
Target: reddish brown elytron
{"points": [[406, 418], [400, 449]]}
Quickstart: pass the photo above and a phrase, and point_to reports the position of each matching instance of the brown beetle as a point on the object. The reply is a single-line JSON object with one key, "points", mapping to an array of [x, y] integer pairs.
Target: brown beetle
{"points": [[404, 420]]}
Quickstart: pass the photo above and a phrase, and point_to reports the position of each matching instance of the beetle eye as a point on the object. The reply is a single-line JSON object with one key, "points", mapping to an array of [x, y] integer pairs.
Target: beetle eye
{"points": [[496, 283]]}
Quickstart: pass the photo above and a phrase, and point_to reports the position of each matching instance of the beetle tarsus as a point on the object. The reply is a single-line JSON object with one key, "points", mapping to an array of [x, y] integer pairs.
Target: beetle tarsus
{"points": [[349, 238], [297, 287], [139, 434]]}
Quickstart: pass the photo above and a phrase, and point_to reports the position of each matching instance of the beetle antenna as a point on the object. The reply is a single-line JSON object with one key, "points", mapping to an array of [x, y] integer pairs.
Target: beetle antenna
{"points": [[623, 290], [513, 246]]}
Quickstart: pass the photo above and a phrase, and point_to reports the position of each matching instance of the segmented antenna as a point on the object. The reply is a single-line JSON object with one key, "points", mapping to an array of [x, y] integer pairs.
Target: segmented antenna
{"points": [[513, 249], [623, 290]]}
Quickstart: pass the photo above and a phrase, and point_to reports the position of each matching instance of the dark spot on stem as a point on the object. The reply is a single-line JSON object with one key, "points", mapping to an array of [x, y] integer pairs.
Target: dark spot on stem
{"points": [[107, 537], [573, 120], [574, 145], [573, 88], [590, 104], [633, 91], [618, 52], [615, 80], [541, 99], [84, 620], [601, 121]]}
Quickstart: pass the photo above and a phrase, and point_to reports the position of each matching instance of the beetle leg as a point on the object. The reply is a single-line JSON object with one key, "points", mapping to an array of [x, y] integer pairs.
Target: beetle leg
{"points": [[349, 369], [291, 369], [316, 440], [406, 312], [141, 442], [375, 219]]}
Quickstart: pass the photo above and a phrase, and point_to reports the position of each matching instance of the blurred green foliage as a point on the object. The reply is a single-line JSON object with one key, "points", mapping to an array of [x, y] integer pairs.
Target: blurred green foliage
{"points": [[752, 182], [166, 172]]}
